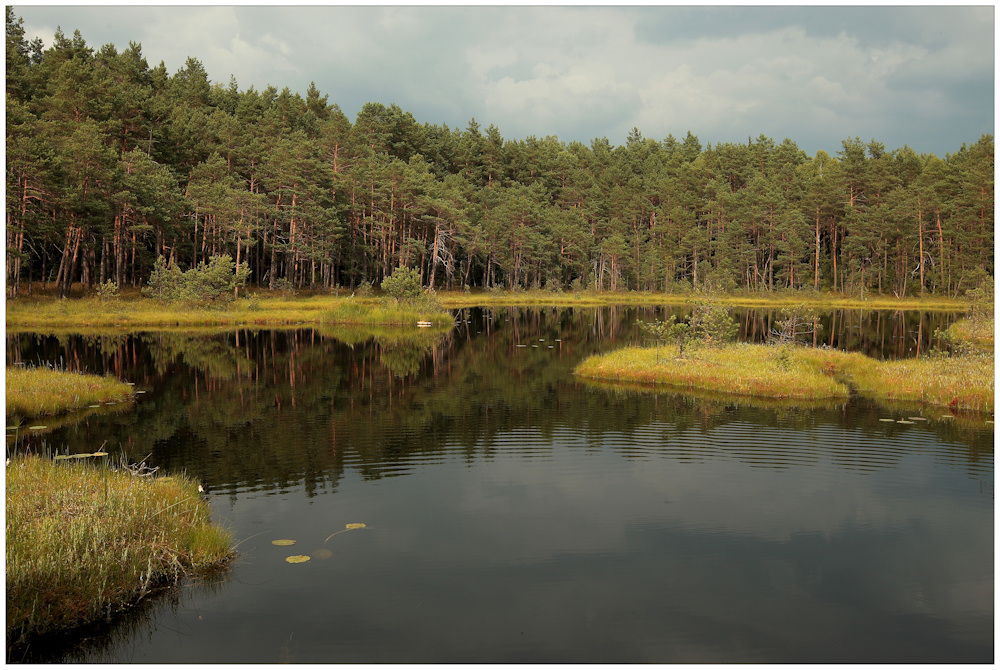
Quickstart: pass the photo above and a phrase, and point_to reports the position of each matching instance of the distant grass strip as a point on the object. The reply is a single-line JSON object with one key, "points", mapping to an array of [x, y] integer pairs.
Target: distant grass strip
{"points": [[961, 383], [775, 299], [85, 540], [276, 309], [35, 392]]}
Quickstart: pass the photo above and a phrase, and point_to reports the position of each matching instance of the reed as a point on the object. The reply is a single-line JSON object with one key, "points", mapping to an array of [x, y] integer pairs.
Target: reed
{"points": [[85, 540], [34, 392], [961, 383]]}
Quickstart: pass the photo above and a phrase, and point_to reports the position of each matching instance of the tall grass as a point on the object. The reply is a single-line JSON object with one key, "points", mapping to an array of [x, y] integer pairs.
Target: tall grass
{"points": [[34, 392], [84, 540], [957, 382]]}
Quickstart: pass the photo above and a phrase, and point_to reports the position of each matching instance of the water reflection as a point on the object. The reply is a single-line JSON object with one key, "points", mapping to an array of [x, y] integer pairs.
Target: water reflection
{"points": [[517, 514]]}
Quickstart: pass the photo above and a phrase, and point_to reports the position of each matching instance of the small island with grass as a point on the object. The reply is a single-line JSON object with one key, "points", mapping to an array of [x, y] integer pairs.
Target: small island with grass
{"points": [[84, 538], [700, 356], [34, 392]]}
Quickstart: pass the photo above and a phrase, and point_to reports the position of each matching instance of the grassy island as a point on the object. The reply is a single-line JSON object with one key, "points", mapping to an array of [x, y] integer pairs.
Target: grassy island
{"points": [[959, 382], [85, 540], [35, 392]]}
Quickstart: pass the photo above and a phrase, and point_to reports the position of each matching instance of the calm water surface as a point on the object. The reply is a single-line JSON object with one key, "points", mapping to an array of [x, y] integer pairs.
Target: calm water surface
{"points": [[517, 514]]}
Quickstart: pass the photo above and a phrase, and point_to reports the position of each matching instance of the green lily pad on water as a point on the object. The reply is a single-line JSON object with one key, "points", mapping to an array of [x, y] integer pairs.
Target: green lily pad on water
{"points": [[37, 427], [905, 421], [352, 526], [283, 543], [888, 420], [297, 559]]}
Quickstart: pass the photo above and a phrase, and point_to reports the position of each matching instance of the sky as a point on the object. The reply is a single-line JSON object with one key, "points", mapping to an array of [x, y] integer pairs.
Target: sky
{"points": [[921, 76]]}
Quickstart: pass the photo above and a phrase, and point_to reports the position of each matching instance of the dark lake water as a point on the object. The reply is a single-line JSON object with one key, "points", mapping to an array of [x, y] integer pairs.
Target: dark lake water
{"points": [[517, 514]]}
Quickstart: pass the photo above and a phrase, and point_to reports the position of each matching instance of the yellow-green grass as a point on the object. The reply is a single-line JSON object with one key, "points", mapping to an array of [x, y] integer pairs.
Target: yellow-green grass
{"points": [[280, 308], [85, 540], [740, 369], [35, 392], [980, 332], [957, 382], [775, 299], [960, 383], [275, 309]]}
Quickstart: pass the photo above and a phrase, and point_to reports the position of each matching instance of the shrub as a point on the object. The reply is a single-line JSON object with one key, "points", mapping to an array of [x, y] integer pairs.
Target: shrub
{"points": [[108, 292], [402, 284], [214, 282], [713, 325]]}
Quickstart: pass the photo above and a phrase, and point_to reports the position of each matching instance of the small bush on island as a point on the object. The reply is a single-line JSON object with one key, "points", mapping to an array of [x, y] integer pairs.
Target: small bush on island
{"points": [[86, 540], [709, 325]]}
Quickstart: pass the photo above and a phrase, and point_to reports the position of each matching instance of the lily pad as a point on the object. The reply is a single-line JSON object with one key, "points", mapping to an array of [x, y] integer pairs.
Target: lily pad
{"points": [[917, 418], [37, 427], [283, 543], [322, 553], [888, 420], [352, 526], [904, 421], [297, 559]]}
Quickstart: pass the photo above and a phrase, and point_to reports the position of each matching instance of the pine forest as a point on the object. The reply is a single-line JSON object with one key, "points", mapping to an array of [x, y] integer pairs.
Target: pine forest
{"points": [[112, 164]]}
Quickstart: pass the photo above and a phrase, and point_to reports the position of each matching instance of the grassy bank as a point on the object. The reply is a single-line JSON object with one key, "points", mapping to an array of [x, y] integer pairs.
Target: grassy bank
{"points": [[775, 299], [960, 383], [35, 392], [133, 312], [85, 540]]}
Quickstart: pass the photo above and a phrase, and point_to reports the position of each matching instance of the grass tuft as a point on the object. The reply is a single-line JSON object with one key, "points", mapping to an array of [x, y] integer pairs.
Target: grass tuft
{"points": [[85, 540], [34, 392]]}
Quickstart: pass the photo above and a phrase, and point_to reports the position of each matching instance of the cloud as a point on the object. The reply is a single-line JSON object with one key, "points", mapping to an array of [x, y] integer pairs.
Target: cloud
{"points": [[916, 75]]}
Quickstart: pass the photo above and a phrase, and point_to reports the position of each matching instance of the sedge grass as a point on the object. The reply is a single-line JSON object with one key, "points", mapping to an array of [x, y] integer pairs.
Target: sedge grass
{"points": [[85, 540], [961, 383], [35, 392]]}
